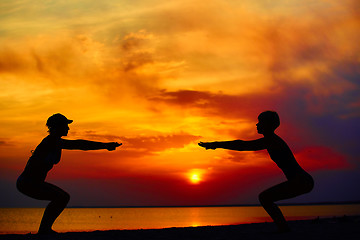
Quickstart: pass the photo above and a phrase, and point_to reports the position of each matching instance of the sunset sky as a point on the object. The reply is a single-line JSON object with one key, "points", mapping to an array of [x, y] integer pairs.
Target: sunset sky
{"points": [[160, 76]]}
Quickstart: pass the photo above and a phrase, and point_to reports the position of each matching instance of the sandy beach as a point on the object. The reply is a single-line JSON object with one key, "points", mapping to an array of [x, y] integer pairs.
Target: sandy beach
{"points": [[330, 228]]}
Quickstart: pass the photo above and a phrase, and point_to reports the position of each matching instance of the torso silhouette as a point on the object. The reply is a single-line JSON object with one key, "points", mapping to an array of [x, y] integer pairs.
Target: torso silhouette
{"points": [[281, 154], [46, 154]]}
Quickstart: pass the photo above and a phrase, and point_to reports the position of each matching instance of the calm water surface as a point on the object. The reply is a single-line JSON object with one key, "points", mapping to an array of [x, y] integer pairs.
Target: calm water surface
{"points": [[25, 220]]}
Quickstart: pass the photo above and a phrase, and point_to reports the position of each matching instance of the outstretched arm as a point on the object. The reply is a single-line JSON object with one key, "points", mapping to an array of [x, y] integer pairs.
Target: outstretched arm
{"points": [[88, 145], [237, 145]]}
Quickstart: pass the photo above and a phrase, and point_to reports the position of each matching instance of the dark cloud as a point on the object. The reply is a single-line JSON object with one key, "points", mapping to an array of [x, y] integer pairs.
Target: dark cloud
{"points": [[213, 104]]}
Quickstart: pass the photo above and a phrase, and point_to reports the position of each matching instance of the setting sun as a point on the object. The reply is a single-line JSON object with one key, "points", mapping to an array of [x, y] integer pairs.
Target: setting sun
{"points": [[195, 178]]}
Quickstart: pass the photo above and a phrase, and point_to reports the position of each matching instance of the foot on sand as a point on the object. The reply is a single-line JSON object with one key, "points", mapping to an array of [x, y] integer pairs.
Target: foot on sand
{"points": [[47, 232]]}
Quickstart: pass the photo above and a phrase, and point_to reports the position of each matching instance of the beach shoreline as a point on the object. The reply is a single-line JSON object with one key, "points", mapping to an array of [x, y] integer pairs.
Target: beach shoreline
{"points": [[346, 227]]}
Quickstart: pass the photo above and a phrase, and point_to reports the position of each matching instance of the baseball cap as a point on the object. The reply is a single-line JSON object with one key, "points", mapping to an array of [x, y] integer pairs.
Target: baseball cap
{"points": [[57, 119]]}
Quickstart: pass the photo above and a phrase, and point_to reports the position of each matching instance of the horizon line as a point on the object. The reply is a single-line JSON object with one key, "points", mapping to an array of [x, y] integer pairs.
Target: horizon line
{"points": [[224, 205]]}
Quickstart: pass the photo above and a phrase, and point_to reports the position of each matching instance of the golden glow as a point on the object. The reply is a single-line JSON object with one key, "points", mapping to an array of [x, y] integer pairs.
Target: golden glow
{"points": [[195, 178]]}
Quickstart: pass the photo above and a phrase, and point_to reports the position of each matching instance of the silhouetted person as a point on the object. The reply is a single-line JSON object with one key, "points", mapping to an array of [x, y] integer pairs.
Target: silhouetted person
{"points": [[298, 181], [32, 183]]}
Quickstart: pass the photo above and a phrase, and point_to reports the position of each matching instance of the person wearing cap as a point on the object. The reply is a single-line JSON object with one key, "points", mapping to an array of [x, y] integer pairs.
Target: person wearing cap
{"points": [[32, 182]]}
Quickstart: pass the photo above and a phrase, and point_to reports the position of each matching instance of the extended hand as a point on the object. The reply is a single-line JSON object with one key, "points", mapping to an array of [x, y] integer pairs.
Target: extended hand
{"points": [[207, 145], [111, 146]]}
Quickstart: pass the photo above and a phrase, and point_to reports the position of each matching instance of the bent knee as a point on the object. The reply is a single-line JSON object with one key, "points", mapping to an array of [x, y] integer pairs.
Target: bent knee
{"points": [[66, 197], [63, 197]]}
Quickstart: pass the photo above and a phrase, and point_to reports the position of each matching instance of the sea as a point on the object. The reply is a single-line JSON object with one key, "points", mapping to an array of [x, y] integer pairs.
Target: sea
{"points": [[27, 220]]}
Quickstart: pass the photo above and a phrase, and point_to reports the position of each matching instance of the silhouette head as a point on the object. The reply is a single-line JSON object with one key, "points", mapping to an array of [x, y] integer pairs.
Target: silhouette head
{"points": [[58, 124], [268, 122]]}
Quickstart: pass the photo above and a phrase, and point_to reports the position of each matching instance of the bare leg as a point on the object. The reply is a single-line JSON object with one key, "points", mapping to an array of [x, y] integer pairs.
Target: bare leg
{"points": [[59, 200], [281, 191], [46, 191], [275, 213]]}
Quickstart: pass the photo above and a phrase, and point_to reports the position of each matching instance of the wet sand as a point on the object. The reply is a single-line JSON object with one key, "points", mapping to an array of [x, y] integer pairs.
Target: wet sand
{"points": [[342, 228]]}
